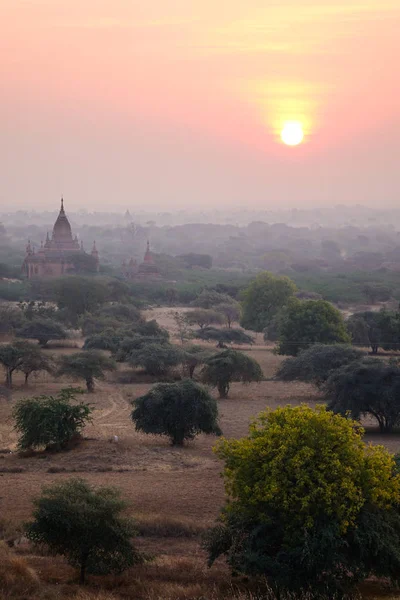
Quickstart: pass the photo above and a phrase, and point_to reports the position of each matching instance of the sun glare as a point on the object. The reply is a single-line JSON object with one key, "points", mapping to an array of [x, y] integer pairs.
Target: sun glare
{"points": [[292, 133]]}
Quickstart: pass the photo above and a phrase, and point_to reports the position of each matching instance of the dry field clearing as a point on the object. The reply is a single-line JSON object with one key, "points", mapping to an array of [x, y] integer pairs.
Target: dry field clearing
{"points": [[174, 492]]}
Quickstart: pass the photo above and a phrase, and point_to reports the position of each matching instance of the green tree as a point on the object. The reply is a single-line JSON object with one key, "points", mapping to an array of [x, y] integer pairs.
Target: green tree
{"points": [[224, 336], [310, 506], [194, 356], [11, 357], [307, 322], [203, 317], [79, 295], [34, 361], [178, 410], [211, 299], [85, 525], [50, 421], [42, 330], [86, 365], [227, 366], [376, 329], [366, 387], [157, 359], [315, 364], [264, 297]]}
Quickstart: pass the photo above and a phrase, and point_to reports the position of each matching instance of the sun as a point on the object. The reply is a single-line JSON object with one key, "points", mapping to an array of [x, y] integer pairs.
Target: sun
{"points": [[292, 133]]}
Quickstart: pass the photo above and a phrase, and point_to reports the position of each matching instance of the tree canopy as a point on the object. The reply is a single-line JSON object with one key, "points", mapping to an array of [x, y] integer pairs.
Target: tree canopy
{"points": [[227, 366], [43, 330], [203, 317], [157, 359], [224, 336], [307, 322], [86, 365], [310, 506], [85, 524], [179, 410], [368, 386], [315, 364], [263, 298]]}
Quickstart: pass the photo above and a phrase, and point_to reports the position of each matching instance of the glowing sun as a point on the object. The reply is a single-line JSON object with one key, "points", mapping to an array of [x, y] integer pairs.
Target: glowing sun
{"points": [[292, 133]]}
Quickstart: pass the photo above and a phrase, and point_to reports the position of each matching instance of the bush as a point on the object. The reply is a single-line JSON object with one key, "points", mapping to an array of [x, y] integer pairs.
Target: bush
{"points": [[85, 525], [224, 336], [366, 387], [156, 359], [315, 364], [45, 421], [42, 330], [227, 366], [310, 507], [86, 365], [178, 410], [211, 299], [17, 579], [307, 322]]}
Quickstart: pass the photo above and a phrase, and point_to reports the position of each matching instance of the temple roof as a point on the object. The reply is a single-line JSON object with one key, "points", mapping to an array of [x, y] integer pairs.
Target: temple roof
{"points": [[62, 229]]}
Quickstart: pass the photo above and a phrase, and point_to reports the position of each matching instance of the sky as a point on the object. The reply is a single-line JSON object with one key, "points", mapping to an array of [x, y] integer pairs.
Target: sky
{"points": [[176, 104]]}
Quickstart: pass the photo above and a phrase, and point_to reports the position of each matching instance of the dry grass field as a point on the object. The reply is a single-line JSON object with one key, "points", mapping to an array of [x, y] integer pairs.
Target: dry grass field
{"points": [[174, 493]]}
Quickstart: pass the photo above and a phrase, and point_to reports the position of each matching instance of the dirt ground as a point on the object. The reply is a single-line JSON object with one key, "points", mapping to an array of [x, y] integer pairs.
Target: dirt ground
{"points": [[159, 481]]}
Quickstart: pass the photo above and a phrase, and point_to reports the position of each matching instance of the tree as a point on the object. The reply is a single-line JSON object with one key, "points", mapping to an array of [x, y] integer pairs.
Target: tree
{"points": [[108, 339], [11, 357], [315, 364], [182, 325], [50, 421], [34, 361], [203, 317], [179, 410], [86, 365], [310, 506], [227, 366], [224, 336], [194, 356], [211, 299], [156, 359], [196, 260], [367, 386], [79, 295], [42, 330], [376, 293], [264, 297], [376, 329], [85, 525], [231, 312], [307, 322], [11, 318]]}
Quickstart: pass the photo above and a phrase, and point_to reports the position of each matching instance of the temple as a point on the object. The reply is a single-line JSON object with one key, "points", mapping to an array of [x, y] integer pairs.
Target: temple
{"points": [[147, 270], [59, 254]]}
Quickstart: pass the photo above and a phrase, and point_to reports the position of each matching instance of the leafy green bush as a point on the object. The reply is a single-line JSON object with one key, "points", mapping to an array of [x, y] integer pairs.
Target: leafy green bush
{"points": [[310, 507], [224, 336], [43, 330], [315, 364], [157, 359], [178, 410], [85, 525], [45, 421], [227, 366]]}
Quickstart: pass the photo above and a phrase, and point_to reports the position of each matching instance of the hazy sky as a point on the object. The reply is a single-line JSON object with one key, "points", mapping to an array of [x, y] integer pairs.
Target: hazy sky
{"points": [[179, 103]]}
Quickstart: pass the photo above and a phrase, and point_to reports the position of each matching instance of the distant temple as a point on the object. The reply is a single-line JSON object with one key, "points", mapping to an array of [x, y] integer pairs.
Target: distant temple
{"points": [[146, 270], [56, 256]]}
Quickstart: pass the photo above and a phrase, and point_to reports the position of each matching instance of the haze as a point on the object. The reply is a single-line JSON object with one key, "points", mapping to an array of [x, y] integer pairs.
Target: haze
{"points": [[175, 104]]}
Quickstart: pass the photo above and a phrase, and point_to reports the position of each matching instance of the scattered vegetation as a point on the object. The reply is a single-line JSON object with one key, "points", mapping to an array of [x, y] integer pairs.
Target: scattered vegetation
{"points": [[86, 365], [227, 366]]}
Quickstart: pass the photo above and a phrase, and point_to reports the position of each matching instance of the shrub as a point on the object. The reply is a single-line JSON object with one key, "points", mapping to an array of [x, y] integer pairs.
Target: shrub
{"points": [[178, 410], [45, 421], [17, 579], [42, 330], [156, 359], [227, 366], [86, 365], [310, 507], [315, 364], [224, 336], [85, 525], [366, 387]]}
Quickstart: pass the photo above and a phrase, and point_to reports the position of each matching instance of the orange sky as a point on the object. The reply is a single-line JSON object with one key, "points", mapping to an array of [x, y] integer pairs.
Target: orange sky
{"points": [[172, 103]]}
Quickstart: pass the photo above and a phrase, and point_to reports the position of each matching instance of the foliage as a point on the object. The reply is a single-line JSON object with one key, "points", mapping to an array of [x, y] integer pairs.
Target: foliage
{"points": [[85, 525], [224, 336], [82, 263], [127, 313], [227, 366], [210, 299], [311, 507], [157, 359], [79, 295], [108, 339], [11, 318], [193, 356], [43, 330], [376, 329], [182, 325], [45, 421], [96, 324], [231, 312], [132, 342], [315, 364], [196, 260], [203, 317], [12, 357], [179, 410], [34, 361], [367, 386], [86, 365], [307, 322], [264, 297]]}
